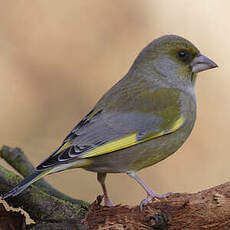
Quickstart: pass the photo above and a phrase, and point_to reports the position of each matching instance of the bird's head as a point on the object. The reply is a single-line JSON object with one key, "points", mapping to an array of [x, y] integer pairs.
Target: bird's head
{"points": [[174, 59]]}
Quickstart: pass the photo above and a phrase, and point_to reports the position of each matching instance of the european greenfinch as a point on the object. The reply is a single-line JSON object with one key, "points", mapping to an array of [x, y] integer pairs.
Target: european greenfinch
{"points": [[140, 121]]}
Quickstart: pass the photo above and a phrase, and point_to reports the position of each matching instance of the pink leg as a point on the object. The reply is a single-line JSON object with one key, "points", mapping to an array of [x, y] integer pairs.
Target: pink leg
{"points": [[150, 194], [101, 179]]}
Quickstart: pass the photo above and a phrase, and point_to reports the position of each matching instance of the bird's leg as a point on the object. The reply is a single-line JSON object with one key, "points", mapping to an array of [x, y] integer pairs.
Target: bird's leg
{"points": [[101, 179], [150, 193]]}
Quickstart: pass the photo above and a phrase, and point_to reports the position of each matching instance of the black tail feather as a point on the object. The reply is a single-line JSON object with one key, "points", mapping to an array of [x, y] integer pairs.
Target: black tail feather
{"points": [[17, 189]]}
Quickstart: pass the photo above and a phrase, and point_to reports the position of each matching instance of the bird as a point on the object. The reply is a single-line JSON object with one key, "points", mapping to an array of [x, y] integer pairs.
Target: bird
{"points": [[143, 119]]}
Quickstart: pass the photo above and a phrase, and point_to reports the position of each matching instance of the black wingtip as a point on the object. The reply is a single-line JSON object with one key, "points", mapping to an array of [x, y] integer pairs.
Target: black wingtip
{"points": [[11, 193], [21, 186]]}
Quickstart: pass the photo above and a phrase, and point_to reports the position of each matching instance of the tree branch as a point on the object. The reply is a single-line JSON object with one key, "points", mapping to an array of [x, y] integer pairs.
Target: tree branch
{"points": [[43, 203], [208, 209], [17, 159], [51, 209]]}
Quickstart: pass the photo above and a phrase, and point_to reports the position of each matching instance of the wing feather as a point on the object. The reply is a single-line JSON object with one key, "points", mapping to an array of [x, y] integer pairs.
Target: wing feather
{"points": [[105, 130]]}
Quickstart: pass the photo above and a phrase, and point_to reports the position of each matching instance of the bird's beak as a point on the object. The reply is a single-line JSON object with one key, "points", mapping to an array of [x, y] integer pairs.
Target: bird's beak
{"points": [[202, 63]]}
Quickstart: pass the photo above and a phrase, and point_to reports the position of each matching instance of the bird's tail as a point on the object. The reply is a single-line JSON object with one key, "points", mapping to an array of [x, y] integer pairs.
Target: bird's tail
{"points": [[17, 189]]}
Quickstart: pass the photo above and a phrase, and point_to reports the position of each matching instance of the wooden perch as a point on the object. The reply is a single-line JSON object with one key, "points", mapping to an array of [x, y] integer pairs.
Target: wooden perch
{"points": [[208, 209], [51, 209]]}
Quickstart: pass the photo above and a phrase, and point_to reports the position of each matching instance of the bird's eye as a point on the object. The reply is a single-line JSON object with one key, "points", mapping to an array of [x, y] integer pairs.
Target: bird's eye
{"points": [[183, 55]]}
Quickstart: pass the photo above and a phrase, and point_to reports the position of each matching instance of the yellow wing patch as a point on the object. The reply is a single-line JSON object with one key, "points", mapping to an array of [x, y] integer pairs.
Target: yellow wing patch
{"points": [[112, 146], [130, 140], [177, 124], [66, 145]]}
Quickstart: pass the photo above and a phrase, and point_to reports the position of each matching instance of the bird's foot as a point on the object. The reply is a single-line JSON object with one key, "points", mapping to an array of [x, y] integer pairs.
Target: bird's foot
{"points": [[108, 201], [152, 195]]}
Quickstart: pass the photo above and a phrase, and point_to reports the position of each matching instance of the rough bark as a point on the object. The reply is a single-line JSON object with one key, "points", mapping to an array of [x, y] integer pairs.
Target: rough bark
{"points": [[45, 205], [208, 209], [51, 209]]}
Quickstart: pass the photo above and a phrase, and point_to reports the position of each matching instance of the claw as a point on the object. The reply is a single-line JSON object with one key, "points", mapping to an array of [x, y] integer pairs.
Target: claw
{"points": [[108, 201], [152, 196], [145, 201]]}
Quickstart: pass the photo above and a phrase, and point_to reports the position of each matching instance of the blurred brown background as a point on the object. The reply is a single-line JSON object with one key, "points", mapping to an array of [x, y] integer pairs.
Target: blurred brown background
{"points": [[57, 58]]}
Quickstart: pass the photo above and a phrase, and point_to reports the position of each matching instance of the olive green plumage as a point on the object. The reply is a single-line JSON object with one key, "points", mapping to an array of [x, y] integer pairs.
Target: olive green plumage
{"points": [[140, 121]]}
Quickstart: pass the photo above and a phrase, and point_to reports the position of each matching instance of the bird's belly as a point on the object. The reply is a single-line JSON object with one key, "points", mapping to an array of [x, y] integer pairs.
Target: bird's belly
{"points": [[141, 155]]}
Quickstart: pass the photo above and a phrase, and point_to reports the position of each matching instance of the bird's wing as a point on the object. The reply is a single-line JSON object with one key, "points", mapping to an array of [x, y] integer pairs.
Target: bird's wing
{"points": [[104, 130]]}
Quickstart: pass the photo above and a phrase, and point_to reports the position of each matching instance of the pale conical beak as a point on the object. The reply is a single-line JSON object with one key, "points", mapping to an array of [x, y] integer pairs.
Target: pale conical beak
{"points": [[202, 63]]}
